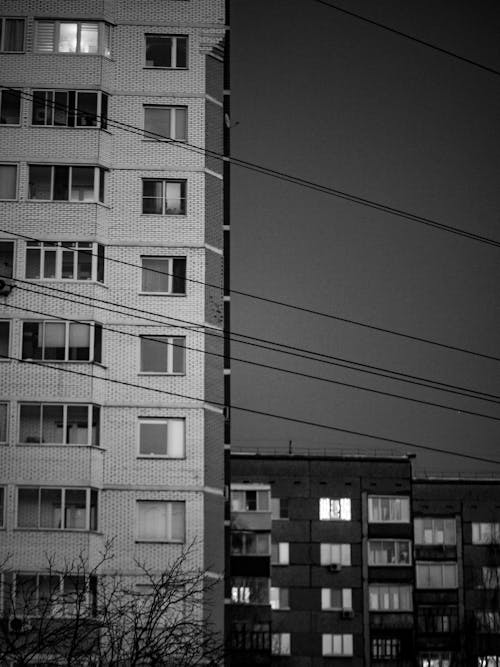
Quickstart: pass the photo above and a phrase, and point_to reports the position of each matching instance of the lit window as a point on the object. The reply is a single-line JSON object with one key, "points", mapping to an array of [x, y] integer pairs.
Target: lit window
{"points": [[161, 521], [432, 620], [48, 595], [56, 508], [490, 576], [4, 338], [164, 275], [11, 35], [168, 122], [163, 354], [436, 575], [162, 437], [432, 530], [388, 509], [335, 509], [62, 341], [59, 424], [84, 38], [163, 197], [70, 108], [2, 507], [280, 553], [336, 598], [390, 597], [487, 621], [8, 181], [280, 643], [436, 659], [64, 260], [279, 508], [279, 598], [249, 543], [337, 645], [250, 500], [335, 554], [389, 552], [3, 422], [250, 590], [10, 107], [386, 648], [60, 183], [166, 51], [485, 533]]}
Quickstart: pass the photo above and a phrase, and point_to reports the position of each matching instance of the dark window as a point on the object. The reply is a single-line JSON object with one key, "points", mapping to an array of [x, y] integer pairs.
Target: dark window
{"points": [[386, 648], [6, 258], [62, 341], [11, 35], [61, 424], [4, 338], [57, 509], [10, 106], [8, 181], [60, 183], [165, 122], [164, 274], [166, 51], [65, 260], [68, 108], [163, 354], [2, 507], [432, 620], [164, 197]]}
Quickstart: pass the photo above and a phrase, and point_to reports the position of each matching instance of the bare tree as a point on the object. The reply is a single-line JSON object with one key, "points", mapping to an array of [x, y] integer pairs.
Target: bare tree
{"points": [[75, 615]]}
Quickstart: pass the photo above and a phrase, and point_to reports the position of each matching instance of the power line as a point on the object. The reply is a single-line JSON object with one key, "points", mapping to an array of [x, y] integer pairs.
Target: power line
{"points": [[266, 366], [491, 70], [283, 176], [258, 297], [295, 420], [289, 350]]}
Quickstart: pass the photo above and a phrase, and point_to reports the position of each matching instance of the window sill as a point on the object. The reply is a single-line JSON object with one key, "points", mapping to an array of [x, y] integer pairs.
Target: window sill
{"points": [[57, 530], [169, 69], [163, 139], [161, 374], [150, 215], [72, 55], [161, 294], [390, 565], [158, 541], [59, 444], [72, 362], [146, 457], [66, 281], [67, 127], [10, 125]]}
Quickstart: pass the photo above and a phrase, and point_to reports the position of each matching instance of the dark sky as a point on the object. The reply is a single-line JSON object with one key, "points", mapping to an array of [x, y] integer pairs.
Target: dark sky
{"points": [[324, 96]]}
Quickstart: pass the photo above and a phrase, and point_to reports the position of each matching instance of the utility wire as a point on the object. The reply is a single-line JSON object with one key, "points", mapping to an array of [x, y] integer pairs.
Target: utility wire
{"points": [[283, 176], [258, 297], [290, 350], [252, 411], [261, 365], [491, 70]]}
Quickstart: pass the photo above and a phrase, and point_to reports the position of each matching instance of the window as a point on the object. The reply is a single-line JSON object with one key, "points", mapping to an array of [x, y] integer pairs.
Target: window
{"points": [[335, 509], [488, 661], [3, 423], [161, 122], [70, 108], [8, 181], [164, 275], [250, 590], [389, 552], [279, 598], [59, 424], [390, 597], [84, 38], [60, 183], [386, 648], [335, 553], [280, 553], [337, 645], [436, 575], [435, 531], [4, 338], [251, 500], [166, 51], [64, 260], [247, 543], [161, 521], [163, 354], [487, 621], [250, 636], [11, 35], [432, 620], [2, 507], [10, 107], [436, 659], [57, 509], [162, 438], [53, 594], [62, 341], [280, 643], [6, 256], [164, 197], [279, 508], [490, 576], [336, 598], [485, 533], [388, 509]]}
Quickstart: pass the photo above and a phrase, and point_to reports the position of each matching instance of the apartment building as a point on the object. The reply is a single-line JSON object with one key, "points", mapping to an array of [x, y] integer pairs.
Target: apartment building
{"points": [[349, 560], [112, 306]]}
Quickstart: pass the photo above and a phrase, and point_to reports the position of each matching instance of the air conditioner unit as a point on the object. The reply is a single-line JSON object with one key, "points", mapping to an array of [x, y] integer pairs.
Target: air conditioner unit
{"points": [[334, 567], [5, 286], [347, 613]]}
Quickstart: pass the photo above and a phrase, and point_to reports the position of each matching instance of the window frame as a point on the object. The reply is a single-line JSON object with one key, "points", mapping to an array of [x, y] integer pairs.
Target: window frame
{"points": [[3, 33], [281, 643], [478, 528], [98, 187], [431, 619], [15, 166], [92, 409], [397, 550], [86, 604], [280, 553], [20, 108], [428, 658], [173, 111], [9, 337], [385, 648], [391, 591], [246, 537], [95, 341], [260, 494], [279, 509], [252, 590], [164, 207], [345, 597], [168, 346], [335, 509], [6, 404], [169, 273], [103, 37], [173, 50], [391, 519], [96, 253], [161, 420], [72, 109], [91, 522], [279, 598], [328, 557], [168, 504], [328, 641], [435, 566], [419, 530]]}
